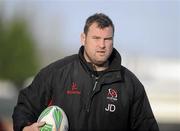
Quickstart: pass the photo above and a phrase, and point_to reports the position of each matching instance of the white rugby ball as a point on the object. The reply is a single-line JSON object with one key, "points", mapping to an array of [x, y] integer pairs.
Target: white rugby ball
{"points": [[55, 118]]}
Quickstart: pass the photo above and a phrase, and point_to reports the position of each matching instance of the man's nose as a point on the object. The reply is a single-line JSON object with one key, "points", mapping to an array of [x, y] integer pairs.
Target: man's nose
{"points": [[102, 43]]}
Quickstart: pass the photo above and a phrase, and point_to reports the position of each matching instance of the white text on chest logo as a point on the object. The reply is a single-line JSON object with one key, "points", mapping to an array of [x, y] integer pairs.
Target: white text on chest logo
{"points": [[110, 107]]}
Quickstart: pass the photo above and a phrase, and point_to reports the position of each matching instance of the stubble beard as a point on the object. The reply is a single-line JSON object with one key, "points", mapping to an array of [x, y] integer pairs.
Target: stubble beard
{"points": [[95, 63]]}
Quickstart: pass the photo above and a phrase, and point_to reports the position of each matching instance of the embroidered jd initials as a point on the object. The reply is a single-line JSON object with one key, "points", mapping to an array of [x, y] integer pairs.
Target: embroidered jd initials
{"points": [[110, 107]]}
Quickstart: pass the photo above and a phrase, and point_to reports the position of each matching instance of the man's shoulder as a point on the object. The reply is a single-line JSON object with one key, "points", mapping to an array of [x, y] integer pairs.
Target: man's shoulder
{"points": [[131, 79], [61, 63], [64, 61], [128, 74], [126, 71]]}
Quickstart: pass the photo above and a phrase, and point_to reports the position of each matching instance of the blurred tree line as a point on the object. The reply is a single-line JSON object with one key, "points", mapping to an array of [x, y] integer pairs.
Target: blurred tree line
{"points": [[18, 59]]}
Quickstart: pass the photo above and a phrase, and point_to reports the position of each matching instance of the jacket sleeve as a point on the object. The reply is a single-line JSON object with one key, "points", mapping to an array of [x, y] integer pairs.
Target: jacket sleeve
{"points": [[142, 118], [31, 101]]}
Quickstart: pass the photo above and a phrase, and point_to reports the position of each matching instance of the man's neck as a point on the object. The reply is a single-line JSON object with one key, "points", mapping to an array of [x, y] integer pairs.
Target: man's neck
{"points": [[101, 67]]}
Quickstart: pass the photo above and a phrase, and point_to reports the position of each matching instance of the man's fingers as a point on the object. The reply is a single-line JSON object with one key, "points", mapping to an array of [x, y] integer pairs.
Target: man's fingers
{"points": [[34, 127], [40, 124]]}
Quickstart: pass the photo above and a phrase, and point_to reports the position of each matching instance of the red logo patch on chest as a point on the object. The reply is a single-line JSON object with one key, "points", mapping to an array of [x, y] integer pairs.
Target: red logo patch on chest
{"points": [[112, 94], [74, 89]]}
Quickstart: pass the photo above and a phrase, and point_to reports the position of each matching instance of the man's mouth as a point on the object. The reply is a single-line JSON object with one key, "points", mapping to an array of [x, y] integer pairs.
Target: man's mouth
{"points": [[100, 51]]}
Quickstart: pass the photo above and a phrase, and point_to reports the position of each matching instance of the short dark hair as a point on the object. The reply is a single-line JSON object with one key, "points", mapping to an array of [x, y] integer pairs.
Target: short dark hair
{"points": [[101, 19]]}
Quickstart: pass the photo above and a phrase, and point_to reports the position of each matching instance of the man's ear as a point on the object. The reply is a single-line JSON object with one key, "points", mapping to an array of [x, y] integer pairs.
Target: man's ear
{"points": [[83, 38]]}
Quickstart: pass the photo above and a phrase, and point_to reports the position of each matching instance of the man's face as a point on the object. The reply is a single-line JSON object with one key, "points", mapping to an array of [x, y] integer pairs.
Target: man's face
{"points": [[98, 44]]}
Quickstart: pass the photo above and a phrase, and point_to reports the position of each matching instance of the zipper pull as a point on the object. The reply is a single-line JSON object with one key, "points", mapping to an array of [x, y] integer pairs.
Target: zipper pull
{"points": [[95, 84]]}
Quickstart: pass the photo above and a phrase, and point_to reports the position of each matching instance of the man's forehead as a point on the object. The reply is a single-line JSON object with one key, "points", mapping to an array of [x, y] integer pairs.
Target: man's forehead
{"points": [[94, 28]]}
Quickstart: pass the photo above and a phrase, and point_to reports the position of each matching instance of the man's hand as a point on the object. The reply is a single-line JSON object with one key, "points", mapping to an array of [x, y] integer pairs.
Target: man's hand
{"points": [[34, 127]]}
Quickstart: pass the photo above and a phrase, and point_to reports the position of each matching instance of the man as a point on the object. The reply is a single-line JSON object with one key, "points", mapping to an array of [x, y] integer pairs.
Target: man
{"points": [[92, 87]]}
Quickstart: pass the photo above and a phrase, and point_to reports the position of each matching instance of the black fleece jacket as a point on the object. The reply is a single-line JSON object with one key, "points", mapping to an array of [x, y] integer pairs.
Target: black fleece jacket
{"points": [[112, 100]]}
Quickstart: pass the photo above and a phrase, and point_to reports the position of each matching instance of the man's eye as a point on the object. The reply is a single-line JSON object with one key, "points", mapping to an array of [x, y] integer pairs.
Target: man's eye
{"points": [[109, 38], [96, 38]]}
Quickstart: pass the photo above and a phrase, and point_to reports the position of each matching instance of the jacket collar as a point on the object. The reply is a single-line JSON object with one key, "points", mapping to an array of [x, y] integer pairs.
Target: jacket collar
{"points": [[114, 61]]}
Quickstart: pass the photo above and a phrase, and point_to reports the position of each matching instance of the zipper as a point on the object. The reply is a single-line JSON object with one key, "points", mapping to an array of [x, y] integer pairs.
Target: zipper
{"points": [[94, 87]]}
